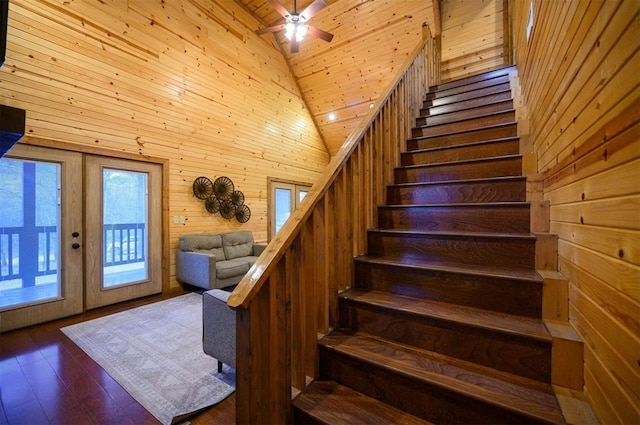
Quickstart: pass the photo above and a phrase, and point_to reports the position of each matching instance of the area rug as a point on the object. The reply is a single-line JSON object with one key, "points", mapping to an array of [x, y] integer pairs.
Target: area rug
{"points": [[155, 353]]}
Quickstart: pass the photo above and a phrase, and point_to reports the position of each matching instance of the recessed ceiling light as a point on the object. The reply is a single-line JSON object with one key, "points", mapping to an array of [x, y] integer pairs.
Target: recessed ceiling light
{"points": [[332, 117]]}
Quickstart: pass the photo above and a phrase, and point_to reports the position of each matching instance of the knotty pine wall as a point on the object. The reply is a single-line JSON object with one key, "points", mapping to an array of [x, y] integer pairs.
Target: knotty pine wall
{"points": [[372, 39], [580, 80], [472, 37], [185, 81]]}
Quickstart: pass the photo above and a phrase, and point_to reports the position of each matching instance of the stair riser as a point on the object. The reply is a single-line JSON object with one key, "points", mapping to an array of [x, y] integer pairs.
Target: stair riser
{"points": [[465, 114], [504, 79], [427, 401], [502, 219], [517, 355], [502, 295], [484, 150], [514, 253], [467, 104], [502, 131], [466, 96], [492, 168], [471, 124], [471, 79], [445, 193]]}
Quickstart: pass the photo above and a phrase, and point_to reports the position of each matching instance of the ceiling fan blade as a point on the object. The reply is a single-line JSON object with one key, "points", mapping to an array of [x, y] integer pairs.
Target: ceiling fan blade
{"points": [[319, 33], [279, 8], [274, 28], [295, 46], [313, 8]]}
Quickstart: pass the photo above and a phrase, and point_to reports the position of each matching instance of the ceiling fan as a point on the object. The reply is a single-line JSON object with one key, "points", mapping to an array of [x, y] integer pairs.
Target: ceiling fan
{"points": [[295, 26]]}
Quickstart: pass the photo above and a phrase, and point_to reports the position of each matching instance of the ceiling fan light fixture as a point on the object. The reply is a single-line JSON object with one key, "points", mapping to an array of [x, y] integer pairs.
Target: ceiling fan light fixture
{"points": [[295, 25]]}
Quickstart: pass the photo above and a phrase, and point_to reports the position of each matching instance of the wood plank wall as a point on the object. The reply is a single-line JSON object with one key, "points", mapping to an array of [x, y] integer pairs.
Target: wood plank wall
{"points": [[372, 39], [580, 81], [185, 81], [472, 37]]}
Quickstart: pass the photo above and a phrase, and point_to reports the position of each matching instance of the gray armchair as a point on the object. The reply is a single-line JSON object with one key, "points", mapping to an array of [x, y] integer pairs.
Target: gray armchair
{"points": [[219, 327]]}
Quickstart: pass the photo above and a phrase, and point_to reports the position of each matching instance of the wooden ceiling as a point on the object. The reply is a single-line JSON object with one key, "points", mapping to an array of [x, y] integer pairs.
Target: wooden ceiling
{"points": [[372, 39]]}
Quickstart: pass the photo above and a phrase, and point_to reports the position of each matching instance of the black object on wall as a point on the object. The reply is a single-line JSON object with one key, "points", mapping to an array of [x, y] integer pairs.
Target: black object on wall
{"points": [[12, 124], [4, 18]]}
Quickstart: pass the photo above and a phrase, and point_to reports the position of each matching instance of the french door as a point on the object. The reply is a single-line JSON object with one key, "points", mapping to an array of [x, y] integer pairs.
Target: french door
{"points": [[284, 198], [123, 230], [76, 232]]}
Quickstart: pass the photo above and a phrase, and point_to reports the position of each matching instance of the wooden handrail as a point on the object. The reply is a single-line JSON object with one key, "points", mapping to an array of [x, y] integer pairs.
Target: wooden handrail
{"points": [[290, 295]]}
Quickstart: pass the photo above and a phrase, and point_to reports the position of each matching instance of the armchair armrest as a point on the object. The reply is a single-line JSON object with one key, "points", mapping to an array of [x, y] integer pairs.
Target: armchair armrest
{"points": [[219, 327], [196, 268], [258, 249]]}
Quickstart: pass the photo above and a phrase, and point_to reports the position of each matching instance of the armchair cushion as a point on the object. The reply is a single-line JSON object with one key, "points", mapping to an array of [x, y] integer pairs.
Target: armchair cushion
{"points": [[237, 244], [230, 268], [206, 243]]}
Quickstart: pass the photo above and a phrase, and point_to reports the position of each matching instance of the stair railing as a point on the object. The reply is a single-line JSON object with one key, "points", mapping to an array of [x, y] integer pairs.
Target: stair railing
{"points": [[290, 296]]}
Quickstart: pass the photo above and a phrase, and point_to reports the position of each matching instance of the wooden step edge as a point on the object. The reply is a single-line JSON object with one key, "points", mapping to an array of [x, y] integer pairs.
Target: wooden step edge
{"points": [[567, 356], [575, 407], [455, 235], [461, 182], [458, 205], [463, 161], [473, 78], [463, 269], [462, 120], [485, 320], [463, 145], [442, 114], [469, 130], [449, 375], [331, 403]]}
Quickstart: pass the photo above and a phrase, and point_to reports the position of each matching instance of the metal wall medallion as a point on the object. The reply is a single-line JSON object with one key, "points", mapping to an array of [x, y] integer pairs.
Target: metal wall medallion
{"points": [[221, 197]]}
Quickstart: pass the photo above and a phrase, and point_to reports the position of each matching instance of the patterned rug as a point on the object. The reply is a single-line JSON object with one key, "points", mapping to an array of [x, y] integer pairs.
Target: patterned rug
{"points": [[155, 353]]}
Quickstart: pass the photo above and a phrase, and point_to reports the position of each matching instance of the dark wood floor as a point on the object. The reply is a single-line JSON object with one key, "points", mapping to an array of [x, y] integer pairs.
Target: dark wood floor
{"points": [[46, 379]]}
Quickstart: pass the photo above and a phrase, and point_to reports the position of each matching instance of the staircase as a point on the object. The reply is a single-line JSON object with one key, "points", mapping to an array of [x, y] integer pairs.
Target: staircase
{"points": [[444, 322]]}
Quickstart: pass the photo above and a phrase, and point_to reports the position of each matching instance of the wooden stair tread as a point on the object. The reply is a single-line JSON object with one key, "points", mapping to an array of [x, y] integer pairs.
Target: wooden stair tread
{"points": [[464, 104], [473, 78], [475, 118], [467, 87], [466, 109], [466, 181], [453, 234], [448, 373], [459, 205], [490, 126], [464, 161], [463, 145], [331, 403], [468, 316], [473, 270]]}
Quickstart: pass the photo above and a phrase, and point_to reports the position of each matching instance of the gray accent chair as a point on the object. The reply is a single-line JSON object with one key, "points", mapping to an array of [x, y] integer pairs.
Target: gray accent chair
{"points": [[216, 260], [219, 327]]}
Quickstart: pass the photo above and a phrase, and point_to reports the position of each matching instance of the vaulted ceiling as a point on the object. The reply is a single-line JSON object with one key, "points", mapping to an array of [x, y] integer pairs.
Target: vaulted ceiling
{"points": [[372, 40]]}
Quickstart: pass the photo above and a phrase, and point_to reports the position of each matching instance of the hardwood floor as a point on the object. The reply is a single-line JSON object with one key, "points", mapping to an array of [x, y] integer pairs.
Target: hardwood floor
{"points": [[46, 379]]}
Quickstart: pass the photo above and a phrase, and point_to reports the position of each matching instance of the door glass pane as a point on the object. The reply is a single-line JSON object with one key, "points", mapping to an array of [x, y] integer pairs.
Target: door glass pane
{"points": [[283, 207], [29, 226], [125, 218]]}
